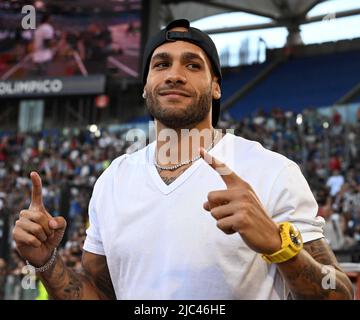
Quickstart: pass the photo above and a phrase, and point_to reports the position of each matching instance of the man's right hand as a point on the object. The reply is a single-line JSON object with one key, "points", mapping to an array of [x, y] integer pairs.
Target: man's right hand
{"points": [[37, 233]]}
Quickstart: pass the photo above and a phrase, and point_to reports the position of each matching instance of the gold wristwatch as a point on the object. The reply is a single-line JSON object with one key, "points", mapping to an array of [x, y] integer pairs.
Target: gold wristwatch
{"points": [[291, 244]]}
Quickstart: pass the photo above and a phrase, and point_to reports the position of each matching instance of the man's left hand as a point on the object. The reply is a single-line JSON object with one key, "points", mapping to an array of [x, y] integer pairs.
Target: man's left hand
{"points": [[238, 209]]}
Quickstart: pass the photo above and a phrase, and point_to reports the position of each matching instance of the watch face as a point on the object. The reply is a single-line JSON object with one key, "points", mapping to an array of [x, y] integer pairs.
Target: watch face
{"points": [[295, 236]]}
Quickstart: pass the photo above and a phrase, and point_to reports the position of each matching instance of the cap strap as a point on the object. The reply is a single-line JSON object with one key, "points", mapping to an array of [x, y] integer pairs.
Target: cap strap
{"points": [[176, 35]]}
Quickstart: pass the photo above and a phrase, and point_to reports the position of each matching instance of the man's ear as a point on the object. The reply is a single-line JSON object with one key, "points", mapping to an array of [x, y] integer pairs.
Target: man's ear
{"points": [[216, 90], [144, 93]]}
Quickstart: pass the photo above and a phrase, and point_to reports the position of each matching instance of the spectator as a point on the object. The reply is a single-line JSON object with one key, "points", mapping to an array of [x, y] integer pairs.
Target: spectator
{"points": [[335, 182]]}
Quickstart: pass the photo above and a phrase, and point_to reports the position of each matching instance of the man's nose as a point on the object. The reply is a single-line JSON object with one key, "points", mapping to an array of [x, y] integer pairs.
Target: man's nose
{"points": [[175, 75]]}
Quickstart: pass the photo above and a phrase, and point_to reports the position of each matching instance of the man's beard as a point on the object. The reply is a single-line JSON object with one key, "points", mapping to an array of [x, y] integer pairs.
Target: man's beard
{"points": [[182, 117]]}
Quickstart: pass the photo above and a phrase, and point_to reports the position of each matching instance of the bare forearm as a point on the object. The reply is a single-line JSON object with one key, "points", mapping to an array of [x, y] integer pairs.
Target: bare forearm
{"points": [[306, 279], [63, 283]]}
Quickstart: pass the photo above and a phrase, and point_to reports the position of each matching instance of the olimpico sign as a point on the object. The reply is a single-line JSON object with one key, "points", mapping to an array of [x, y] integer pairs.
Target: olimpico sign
{"points": [[31, 87], [92, 84]]}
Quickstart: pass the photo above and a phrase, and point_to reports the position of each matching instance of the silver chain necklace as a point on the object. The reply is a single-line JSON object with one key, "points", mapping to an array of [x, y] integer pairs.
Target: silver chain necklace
{"points": [[173, 168]]}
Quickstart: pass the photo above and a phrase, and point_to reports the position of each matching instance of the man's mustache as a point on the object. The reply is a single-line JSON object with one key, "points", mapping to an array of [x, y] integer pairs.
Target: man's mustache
{"points": [[174, 89]]}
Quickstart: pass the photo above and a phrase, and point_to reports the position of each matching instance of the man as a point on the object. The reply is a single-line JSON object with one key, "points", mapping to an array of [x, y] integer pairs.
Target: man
{"points": [[164, 228]]}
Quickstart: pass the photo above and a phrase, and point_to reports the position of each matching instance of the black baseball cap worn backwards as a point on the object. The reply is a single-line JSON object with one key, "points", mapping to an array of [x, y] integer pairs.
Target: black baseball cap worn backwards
{"points": [[193, 35]]}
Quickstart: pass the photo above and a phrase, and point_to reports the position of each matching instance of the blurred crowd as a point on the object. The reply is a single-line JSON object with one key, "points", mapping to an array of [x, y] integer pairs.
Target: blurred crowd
{"points": [[60, 48], [70, 161]]}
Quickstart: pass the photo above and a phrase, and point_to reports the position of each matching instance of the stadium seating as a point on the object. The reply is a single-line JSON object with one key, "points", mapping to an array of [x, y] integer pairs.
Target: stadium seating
{"points": [[300, 82]]}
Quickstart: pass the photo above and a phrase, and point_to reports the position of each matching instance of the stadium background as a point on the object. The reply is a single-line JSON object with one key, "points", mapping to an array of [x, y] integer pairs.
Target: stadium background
{"points": [[66, 114]]}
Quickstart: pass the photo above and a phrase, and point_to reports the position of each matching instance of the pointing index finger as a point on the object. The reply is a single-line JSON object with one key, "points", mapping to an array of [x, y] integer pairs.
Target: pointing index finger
{"points": [[36, 191], [229, 177]]}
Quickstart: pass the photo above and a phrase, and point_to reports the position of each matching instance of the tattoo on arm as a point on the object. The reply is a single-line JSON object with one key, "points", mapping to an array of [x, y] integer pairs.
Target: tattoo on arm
{"points": [[94, 282], [304, 274], [321, 252], [61, 282], [96, 268], [74, 289]]}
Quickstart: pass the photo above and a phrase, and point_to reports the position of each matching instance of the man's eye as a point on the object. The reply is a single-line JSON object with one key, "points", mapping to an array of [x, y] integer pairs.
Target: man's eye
{"points": [[161, 65], [193, 66]]}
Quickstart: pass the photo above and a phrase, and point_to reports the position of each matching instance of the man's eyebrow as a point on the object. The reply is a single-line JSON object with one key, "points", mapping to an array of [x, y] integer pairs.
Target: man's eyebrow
{"points": [[161, 56], [186, 56]]}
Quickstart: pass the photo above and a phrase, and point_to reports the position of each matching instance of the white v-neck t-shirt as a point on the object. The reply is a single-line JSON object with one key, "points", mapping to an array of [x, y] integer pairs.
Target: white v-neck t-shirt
{"points": [[160, 243]]}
